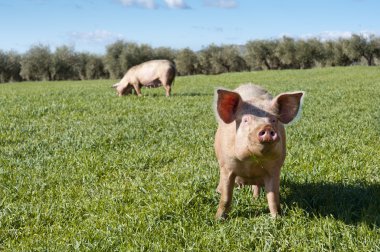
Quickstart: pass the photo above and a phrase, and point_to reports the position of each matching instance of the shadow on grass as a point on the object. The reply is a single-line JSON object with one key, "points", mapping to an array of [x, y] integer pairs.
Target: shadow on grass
{"points": [[192, 94], [146, 94], [352, 204], [180, 95]]}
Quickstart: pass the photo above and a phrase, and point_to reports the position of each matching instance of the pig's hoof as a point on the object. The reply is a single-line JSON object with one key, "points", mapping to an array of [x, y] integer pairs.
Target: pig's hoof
{"points": [[275, 216], [221, 216]]}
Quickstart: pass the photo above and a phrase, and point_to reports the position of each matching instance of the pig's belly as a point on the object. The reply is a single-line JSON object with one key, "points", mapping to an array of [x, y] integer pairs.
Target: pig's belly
{"points": [[241, 181], [151, 83]]}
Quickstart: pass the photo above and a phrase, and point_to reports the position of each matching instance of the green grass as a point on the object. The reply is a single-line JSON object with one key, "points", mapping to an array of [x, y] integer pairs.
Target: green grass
{"points": [[82, 169]]}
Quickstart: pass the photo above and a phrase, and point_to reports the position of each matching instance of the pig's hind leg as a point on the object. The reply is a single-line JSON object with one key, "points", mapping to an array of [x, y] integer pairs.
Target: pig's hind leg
{"points": [[255, 191], [166, 83]]}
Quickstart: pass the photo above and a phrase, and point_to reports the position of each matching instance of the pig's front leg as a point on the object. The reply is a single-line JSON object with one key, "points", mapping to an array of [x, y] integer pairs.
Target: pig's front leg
{"points": [[137, 89], [272, 188], [226, 187]]}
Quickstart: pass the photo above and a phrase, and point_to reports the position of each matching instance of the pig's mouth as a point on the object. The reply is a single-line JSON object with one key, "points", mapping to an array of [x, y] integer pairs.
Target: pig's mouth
{"points": [[126, 90], [263, 148]]}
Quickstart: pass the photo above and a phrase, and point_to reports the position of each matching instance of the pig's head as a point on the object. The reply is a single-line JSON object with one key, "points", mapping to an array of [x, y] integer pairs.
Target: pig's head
{"points": [[122, 89], [258, 119]]}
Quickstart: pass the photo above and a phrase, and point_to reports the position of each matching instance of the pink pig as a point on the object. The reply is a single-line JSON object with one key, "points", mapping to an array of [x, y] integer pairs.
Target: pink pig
{"points": [[250, 141]]}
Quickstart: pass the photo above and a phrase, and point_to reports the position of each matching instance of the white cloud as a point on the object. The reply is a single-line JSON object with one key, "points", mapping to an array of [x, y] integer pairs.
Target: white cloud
{"points": [[225, 4], [176, 4], [148, 4], [330, 35], [333, 35], [151, 4], [98, 36]]}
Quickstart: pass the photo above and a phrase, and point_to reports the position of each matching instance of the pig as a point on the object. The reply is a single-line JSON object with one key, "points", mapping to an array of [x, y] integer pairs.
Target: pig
{"points": [[153, 73], [250, 141]]}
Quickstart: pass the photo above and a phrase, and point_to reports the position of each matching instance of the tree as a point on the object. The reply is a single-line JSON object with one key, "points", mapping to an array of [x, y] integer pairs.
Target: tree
{"points": [[362, 47], [64, 61], [230, 59], [164, 53], [10, 66], [3, 64], [121, 56], [335, 53], [220, 59], [211, 60], [36, 63], [80, 66], [134, 54], [261, 54], [186, 62], [112, 59], [308, 53], [317, 51], [95, 68], [90, 66], [286, 52], [204, 61]]}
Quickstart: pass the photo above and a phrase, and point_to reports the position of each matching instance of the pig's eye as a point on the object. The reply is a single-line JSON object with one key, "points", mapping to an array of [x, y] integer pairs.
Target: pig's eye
{"points": [[273, 120], [245, 119]]}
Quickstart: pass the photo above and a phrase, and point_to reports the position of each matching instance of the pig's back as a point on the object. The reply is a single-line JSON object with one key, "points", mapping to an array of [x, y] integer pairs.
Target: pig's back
{"points": [[249, 91]]}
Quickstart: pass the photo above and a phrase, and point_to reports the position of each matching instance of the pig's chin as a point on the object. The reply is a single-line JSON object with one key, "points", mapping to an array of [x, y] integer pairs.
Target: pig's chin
{"points": [[267, 150], [255, 149]]}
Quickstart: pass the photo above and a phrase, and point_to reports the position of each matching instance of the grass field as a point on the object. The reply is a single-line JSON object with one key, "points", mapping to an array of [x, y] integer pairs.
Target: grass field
{"points": [[82, 169]]}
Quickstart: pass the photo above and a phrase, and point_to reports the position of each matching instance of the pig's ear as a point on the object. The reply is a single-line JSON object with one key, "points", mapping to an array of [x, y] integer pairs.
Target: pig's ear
{"points": [[288, 105], [227, 103]]}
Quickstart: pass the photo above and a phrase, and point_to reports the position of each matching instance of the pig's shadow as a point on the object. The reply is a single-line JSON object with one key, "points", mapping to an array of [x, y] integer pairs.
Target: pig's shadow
{"points": [[146, 94], [191, 94], [352, 204]]}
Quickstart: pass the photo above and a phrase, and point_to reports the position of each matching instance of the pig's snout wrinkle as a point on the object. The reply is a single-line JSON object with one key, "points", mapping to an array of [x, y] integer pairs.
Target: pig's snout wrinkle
{"points": [[267, 135]]}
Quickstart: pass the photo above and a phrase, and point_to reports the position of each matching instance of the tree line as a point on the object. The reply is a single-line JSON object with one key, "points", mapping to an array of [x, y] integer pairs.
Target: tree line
{"points": [[40, 63]]}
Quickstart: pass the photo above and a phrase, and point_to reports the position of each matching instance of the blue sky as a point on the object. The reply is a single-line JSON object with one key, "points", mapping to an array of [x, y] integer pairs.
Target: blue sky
{"points": [[91, 25]]}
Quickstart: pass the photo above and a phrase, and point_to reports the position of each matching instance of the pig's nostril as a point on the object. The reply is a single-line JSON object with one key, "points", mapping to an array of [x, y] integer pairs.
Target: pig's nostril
{"points": [[267, 135]]}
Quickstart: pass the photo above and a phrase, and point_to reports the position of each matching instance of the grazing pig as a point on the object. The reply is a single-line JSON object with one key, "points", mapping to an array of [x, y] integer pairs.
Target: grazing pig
{"points": [[152, 73], [250, 141]]}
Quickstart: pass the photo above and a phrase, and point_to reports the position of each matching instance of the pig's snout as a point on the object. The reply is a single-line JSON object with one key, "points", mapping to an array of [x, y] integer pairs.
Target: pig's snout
{"points": [[267, 134]]}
